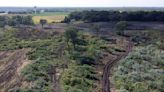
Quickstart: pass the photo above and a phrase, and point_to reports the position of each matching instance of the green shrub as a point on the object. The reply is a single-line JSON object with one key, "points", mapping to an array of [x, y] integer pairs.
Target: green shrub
{"points": [[140, 71], [79, 77], [86, 60]]}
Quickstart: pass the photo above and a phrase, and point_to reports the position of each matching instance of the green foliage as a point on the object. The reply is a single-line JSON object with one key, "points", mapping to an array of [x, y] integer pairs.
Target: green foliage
{"points": [[161, 45], [66, 20], [17, 20], [79, 79], [141, 71], [107, 16], [81, 42], [86, 60], [71, 34], [80, 75], [96, 28], [3, 21], [8, 41], [17, 90], [43, 22], [147, 37], [18, 39], [122, 25], [43, 56]]}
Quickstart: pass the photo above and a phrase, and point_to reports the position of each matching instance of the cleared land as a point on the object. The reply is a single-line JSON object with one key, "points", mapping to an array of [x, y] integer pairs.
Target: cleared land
{"points": [[11, 63]]}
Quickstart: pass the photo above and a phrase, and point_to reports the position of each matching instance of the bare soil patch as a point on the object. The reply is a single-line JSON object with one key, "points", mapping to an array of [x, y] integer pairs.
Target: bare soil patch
{"points": [[11, 64]]}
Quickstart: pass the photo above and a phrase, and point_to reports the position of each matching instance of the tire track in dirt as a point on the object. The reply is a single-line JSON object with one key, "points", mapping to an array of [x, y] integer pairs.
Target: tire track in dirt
{"points": [[10, 71], [110, 64]]}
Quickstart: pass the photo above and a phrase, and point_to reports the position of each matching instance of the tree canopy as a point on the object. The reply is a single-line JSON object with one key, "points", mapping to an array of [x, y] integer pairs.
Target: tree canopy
{"points": [[71, 35], [15, 20], [106, 16]]}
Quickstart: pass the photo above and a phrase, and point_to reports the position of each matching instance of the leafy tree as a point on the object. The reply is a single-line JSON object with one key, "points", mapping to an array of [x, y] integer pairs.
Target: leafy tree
{"points": [[121, 26], [3, 21], [27, 20], [66, 20], [96, 28], [105, 16], [43, 22], [75, 15], [71, 35], [17, 20]]}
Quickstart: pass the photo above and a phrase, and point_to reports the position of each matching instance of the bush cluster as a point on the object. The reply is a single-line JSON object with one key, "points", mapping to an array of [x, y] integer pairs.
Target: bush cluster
{"points": [[106, 16], [141, 71]]}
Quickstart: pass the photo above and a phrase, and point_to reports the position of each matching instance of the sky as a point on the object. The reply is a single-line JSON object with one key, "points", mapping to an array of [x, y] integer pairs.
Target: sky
{"points": [[83, 3]]}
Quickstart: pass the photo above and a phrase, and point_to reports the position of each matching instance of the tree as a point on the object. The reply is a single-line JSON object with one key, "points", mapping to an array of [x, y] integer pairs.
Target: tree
{"points": [[27, 20], [43, 22], [66, 20], [71, 35], [17, 20], [3, 21], [105, 16], [96, 28], [120, 27]]}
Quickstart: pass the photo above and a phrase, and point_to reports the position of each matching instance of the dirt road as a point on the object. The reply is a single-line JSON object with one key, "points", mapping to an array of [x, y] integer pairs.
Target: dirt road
{"points": [[109, 65]]}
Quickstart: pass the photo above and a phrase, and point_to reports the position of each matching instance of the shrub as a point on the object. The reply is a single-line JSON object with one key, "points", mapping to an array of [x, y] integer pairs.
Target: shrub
{"points": [[86, 60], [139, 72]]}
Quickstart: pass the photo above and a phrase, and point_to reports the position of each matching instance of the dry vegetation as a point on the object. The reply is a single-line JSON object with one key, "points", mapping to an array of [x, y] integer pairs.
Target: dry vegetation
{"points": [[51, 18]]}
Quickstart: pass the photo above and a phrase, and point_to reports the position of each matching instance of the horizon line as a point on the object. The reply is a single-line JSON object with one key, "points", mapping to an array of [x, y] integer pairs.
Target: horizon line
{"points": [[86, 6]]}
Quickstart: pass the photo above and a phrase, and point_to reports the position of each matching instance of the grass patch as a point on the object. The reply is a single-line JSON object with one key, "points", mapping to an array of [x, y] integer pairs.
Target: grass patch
{"points": [[50, 16]]}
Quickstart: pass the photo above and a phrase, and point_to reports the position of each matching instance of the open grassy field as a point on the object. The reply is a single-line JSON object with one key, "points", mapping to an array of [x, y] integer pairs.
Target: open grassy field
{"points": [[50, 16]]}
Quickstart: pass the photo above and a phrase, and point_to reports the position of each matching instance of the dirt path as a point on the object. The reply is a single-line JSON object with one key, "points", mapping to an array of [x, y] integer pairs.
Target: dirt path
{"points": [[109, 65], [9, 73]]}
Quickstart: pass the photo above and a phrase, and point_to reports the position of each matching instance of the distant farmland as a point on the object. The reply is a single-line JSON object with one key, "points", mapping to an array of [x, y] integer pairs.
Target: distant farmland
{"points": [[50, 16]]}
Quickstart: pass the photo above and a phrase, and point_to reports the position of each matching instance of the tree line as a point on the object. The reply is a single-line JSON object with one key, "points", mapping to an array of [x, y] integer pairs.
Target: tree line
{"points": [[106, 16], [15, 20]]}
